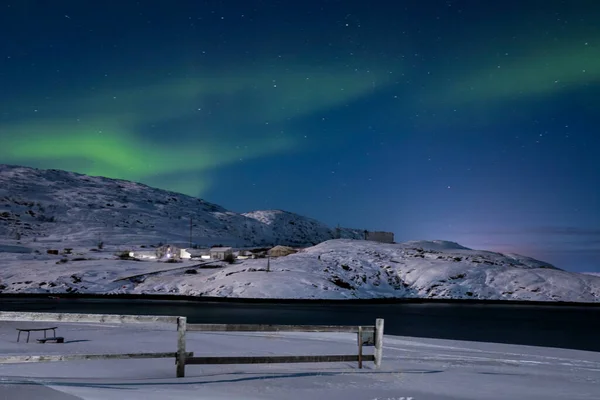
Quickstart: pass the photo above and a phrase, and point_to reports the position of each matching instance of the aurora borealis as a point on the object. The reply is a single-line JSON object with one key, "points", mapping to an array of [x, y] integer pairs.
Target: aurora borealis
{"points": [[468, 121]]}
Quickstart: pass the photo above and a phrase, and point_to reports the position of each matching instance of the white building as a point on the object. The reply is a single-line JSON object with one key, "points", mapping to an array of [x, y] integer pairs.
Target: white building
{"points": [[220, 253], [194, 253], [143, 255]]}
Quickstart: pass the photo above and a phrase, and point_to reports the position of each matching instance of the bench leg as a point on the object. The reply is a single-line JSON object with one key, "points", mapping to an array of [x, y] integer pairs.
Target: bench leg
{"points": [[19, 336], [28, 333], [44, 334]]}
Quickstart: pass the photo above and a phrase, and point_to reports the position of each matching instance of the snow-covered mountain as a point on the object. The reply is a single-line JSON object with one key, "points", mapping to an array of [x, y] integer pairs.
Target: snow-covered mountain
{"points": [[73, 214], [54, 205], [336, 269]]}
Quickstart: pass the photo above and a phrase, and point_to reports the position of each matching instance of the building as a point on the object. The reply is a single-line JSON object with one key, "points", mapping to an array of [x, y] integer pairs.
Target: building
{"points": [[281, 251], [143, 255], [194, 254], [244, 255], [382, 237], [165, 252], [220, 253], [168, 252]]}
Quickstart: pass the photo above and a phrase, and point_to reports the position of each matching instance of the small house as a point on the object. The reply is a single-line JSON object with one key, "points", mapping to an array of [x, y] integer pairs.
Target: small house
{"points": [[281, 251], [244, 255], [191, 253], [168, 252], [143, 255], [220, 253], [184, 254]]}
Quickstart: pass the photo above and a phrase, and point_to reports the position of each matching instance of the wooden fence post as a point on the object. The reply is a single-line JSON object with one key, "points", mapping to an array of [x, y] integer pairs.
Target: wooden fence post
{"points": [[360, 347], [378, 342], [181, 328]]}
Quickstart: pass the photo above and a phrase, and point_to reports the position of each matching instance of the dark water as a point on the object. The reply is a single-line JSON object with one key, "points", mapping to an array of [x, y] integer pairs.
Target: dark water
{"points": [[573, 327]]}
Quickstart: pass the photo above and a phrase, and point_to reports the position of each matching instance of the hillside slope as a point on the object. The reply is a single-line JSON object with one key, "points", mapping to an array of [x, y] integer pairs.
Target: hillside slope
{"points": [[304, 230], [54, 205], [336, 269]]}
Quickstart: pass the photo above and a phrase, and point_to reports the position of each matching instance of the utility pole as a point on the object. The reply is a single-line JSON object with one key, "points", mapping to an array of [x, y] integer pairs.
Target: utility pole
{"points": [[191, 219]]}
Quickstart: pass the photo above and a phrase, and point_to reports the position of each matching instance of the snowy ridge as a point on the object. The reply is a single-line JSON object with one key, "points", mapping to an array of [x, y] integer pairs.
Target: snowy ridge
{"points": [[54, 205], [303, 230], [336, 269]]}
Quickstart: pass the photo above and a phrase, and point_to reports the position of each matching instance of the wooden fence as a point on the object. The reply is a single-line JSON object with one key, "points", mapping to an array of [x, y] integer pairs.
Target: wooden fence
{"points": [[366, 336], [86, 318]]}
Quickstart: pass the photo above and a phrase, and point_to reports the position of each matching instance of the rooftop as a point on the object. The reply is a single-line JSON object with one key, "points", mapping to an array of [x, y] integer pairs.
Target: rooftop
{"points": [[220, 249]]}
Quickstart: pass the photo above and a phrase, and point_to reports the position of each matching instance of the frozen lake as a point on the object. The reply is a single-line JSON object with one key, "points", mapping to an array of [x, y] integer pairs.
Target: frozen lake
{"points": [[571, 327]]}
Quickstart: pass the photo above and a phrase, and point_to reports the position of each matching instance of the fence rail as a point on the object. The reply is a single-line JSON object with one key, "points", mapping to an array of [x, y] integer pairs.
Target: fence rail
{"points": [[89, 318], [277, 359], [77, 357], [276, 328]]}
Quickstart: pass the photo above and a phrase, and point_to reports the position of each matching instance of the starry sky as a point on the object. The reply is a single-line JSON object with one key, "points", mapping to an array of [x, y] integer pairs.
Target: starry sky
{"points": [[462, 120]]}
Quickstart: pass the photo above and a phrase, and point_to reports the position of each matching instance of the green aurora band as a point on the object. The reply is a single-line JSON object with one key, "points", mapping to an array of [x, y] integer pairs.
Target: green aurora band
{"points": [[104, 134]]}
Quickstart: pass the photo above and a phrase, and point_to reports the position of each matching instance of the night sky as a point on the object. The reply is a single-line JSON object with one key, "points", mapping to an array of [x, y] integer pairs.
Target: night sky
{"points": [[470, 121]]}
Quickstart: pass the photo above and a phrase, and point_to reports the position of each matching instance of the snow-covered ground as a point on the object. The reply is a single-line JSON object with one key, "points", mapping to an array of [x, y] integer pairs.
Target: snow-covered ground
{"points": [[424, 369], [336, 269]]}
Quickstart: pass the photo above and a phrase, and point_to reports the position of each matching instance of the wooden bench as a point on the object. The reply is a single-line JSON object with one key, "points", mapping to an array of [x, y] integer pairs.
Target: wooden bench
{"points": [[56, 339], [29, 330]]}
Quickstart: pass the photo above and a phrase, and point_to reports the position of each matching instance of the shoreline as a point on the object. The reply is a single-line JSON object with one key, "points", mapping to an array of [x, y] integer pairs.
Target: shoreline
{"points": [[206, 299]]}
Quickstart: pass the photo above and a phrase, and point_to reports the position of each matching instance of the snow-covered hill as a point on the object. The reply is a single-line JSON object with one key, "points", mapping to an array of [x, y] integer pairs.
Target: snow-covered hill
{"points": [[303, 230], [51, 209], [336, 269], [54, 205]]}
